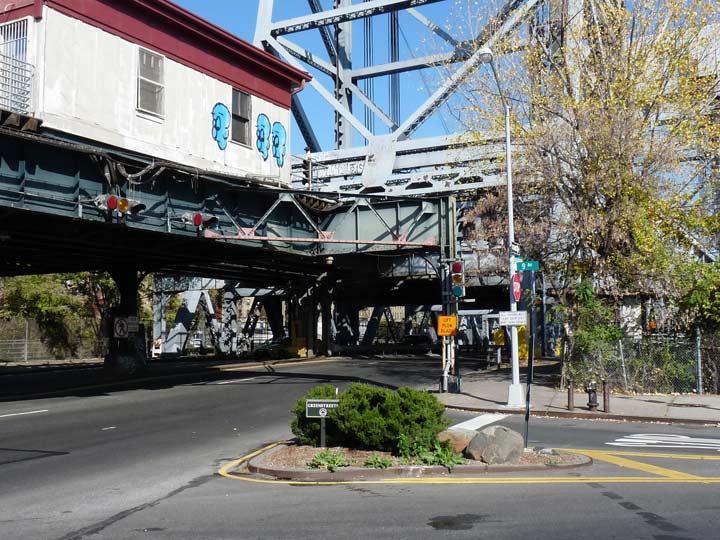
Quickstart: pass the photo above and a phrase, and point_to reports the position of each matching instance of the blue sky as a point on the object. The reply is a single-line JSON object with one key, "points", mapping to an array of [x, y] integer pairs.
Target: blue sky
{"points": [[239, 17], [228, 14]]}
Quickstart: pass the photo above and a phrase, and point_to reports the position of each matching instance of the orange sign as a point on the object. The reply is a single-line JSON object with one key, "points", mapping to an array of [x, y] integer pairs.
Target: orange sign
{"points": [[447, 325]]}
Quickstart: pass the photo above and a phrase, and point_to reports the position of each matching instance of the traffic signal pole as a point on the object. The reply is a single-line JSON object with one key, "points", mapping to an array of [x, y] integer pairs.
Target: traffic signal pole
{"points": [[448, 255]]}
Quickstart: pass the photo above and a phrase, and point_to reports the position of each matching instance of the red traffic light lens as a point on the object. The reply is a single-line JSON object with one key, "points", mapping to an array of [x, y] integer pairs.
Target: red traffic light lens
{"points": [[457, 267], [112, 202], [197, 220]]}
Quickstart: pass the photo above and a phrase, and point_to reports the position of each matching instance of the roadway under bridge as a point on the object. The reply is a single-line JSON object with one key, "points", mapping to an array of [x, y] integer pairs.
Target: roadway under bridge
{"points": [[69, 205]]}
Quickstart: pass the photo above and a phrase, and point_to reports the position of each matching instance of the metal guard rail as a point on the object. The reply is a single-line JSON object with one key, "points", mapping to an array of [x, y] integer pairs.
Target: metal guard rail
{"points": [[16, 81]]}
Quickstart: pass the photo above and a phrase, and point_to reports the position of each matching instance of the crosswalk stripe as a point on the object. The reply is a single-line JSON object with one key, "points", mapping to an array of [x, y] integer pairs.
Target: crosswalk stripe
{"points": [[480, 421]]}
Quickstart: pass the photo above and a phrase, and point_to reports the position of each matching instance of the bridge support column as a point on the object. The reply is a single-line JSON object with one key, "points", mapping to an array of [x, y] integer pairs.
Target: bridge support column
{"points": [[127, 351], [303, 325], [347, 322], [159, 325], [327, 322], [373, 325], [227, 344], [274, 312]]}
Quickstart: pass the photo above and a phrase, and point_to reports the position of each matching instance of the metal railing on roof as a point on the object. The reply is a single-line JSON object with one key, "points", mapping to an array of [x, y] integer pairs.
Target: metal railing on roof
{"points": [[16, 74], [16, 82]]}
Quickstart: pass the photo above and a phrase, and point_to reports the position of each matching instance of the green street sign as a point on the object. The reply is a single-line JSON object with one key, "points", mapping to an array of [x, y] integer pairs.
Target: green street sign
{"points": [[526, 266]]}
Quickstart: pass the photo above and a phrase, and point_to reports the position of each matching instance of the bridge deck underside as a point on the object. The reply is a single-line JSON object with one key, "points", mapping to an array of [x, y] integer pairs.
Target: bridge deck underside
{"points": [[49, 223]]}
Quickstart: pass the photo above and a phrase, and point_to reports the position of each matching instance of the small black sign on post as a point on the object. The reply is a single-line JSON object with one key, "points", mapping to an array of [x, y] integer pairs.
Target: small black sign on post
{"points": [[320, 408]]}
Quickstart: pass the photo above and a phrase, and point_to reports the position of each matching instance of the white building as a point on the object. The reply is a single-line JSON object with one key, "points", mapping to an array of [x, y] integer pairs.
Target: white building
{"points": [[148, 77]]}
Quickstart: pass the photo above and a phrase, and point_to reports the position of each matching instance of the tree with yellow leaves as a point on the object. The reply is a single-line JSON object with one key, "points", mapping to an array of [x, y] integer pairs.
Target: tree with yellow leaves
{"points": [[616, 137]]}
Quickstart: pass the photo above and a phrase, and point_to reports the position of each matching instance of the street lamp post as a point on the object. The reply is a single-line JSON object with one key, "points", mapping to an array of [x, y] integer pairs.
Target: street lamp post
{"points": [[515, 392]]}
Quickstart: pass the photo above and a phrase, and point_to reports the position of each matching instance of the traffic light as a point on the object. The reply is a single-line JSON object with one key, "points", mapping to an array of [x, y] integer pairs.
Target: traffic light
{"points": [[457, 278], [307, 170], [201, 221], [122, 205]]}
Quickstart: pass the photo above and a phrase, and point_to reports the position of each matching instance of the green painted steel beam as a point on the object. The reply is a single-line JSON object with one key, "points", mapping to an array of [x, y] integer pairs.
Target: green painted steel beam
{"points": [[46, 179]]}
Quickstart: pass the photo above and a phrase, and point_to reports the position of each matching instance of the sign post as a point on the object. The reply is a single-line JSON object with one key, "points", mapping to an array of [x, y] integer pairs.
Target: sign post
{"points": [[320, 408], [447, 328], [531, 360]]}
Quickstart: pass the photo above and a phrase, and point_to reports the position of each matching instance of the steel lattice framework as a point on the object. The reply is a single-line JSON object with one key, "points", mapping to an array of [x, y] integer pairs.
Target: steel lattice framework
{"points": [[395, 162]]}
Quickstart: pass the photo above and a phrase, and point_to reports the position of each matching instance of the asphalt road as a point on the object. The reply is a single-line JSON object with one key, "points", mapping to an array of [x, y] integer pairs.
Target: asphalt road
{"points": [[141, 463]]}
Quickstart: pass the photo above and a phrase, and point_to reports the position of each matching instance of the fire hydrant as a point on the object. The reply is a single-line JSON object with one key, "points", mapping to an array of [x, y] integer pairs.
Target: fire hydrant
{"points": [[591, 390]]}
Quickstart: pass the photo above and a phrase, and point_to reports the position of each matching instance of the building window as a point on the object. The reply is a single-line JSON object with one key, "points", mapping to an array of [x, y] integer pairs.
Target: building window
{"points": [[16, 75], [151, 87], [241, 115]]}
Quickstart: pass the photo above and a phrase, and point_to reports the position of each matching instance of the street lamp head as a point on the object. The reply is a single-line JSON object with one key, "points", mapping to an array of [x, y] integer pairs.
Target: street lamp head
{"points": [[486, 55]]}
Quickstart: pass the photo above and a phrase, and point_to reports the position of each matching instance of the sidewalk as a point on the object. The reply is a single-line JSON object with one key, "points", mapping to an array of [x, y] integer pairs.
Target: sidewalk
{"points": [[487, 391]]}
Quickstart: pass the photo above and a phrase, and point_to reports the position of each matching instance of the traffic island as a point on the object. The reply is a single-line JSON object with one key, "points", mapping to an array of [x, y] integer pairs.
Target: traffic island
{"points": [[290, 462]]}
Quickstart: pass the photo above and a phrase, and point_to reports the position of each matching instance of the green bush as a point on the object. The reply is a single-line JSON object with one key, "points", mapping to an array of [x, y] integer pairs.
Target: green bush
{"points": [[373, 418], [307, 430], [439, 453], [377, 462], [327, 459]]}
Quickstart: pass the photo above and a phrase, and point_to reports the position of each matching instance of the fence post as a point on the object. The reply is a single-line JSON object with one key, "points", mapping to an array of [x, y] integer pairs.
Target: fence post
{"points": [[27, 332], [698, 359]]}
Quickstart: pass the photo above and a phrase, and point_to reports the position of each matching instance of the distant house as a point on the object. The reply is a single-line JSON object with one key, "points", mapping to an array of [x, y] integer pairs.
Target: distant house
{"points": [[148, 77]]}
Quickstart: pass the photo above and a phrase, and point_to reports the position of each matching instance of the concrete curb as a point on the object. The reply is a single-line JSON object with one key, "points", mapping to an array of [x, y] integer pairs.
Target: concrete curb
{"points": [[586, 416], [359, 474]]}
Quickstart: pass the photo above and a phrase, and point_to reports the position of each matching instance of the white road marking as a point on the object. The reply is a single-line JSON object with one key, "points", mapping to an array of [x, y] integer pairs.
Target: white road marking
{"points": [[233, 381], [108, 428], [23, 413], [666, 441], [480, 421]]}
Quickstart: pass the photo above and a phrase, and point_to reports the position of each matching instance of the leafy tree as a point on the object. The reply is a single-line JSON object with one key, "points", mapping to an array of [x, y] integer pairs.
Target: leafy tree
{"points": [[63, 305], [616, 135], [48, 302]]}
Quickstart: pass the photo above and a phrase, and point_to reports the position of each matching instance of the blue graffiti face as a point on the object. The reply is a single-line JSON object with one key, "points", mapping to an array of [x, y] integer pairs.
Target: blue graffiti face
{"points": [[263, 136], [279, 142], [221, 125]]}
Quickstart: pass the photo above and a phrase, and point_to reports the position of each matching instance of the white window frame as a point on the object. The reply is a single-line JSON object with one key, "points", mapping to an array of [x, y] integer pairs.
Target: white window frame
{"points": [[160, 84]]}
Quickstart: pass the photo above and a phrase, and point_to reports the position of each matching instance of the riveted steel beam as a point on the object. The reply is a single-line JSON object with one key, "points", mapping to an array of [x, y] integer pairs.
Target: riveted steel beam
{"points": [[344, 14]]}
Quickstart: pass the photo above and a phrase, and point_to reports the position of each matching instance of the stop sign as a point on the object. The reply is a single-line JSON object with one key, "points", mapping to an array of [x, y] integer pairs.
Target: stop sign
{"points": [[516, 287]]}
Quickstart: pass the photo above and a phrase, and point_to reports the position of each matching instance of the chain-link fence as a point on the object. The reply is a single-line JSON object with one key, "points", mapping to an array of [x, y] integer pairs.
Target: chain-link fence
{"points": [[710, 361], [21, 342], [653, 364]]}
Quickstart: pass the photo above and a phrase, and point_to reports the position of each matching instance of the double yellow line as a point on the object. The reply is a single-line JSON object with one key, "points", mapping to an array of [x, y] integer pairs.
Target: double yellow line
{"points": [[619, 458]]}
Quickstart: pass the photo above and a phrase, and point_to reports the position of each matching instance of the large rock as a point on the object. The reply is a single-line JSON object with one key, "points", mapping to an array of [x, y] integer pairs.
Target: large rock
{"points": [[496, 445], [459, 438]]}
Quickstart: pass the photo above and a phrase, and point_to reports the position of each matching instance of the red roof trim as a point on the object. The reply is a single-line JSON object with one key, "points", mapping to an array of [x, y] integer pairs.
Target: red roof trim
{"points": [[12, 10], [180, 35]]}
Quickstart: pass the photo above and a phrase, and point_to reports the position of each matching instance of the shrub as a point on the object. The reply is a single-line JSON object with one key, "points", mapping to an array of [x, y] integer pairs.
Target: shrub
{"points": [[377, 462], [307, 430], [439, 453], [373, 418], [329, 460]]}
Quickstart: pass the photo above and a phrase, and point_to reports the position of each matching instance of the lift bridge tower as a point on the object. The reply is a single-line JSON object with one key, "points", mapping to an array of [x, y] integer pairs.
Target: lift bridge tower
{"points": [[382, 100]]}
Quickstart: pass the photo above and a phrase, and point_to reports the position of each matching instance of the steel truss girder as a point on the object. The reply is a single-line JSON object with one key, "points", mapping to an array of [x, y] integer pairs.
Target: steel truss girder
{"points": [[379, 167], [404, 223], [344, 14], [65, 179], [420, 166]]}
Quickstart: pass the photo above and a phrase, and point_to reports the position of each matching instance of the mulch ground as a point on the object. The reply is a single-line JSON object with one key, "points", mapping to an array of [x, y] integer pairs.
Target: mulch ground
{"points": [[298, 457]]}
